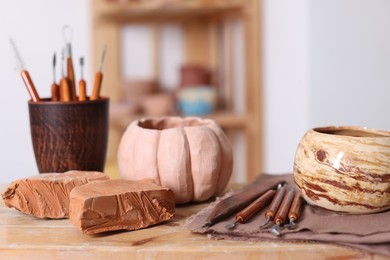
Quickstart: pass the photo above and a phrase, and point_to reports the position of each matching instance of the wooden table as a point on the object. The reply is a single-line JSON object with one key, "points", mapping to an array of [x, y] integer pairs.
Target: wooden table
{"points": [[26, 237]]}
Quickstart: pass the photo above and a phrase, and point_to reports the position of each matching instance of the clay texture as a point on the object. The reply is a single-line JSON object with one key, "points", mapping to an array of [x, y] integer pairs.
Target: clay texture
{"points": [[191, 156], [344, 169], [47, 195], [120, 205]]}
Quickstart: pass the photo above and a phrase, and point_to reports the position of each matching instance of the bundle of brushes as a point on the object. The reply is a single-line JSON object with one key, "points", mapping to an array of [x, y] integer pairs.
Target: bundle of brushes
{"points": [[66, 89]]}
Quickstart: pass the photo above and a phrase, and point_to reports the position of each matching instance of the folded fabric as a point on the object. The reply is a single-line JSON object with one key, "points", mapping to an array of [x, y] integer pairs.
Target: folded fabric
{"points": [[370, 232]]}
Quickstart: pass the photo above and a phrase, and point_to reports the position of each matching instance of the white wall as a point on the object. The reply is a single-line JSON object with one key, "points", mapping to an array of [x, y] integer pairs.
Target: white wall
{"points": [[350, 63], [36, 27], [327, 62], [286, 80]]}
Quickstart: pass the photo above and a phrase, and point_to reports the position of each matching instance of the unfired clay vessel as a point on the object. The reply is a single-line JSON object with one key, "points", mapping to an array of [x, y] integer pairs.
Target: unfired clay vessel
{"points": [[191, 156], [344, 169]]}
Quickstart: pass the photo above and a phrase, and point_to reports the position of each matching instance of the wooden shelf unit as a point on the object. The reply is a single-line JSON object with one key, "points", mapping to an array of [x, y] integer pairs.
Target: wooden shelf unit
{"points": [[153, 10], [199, 20]]}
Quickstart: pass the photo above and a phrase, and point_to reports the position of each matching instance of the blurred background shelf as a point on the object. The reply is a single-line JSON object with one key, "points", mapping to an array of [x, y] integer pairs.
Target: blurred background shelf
{"points": [[209, 41], [156, 10], [225, 119]]}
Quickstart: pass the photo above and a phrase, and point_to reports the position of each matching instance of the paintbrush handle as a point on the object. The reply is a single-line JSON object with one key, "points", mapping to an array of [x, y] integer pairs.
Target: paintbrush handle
{"points": [[271, 211], [55, 92], [82, 90], [281, 215], [30, 86], [65, 94], [71, 78], [296, 207], [96, 86], [255, 206]]}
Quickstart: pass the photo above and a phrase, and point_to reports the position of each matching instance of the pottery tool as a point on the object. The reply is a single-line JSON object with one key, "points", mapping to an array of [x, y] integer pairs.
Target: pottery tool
{"points": [[55, 89], [272, 209], [295, 211], [244, 215], [67, 34], [24, 73], [98, 77], [234, 203], [281, 215], [82, 84], [65, 92]]}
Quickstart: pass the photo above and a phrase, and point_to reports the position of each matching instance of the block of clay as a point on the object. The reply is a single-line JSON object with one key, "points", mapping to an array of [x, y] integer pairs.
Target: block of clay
{"points": [[47, 195], [119, 205]]}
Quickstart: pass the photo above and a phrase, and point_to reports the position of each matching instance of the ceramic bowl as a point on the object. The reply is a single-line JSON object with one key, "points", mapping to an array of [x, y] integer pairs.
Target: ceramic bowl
{"points": [[345, 169]]}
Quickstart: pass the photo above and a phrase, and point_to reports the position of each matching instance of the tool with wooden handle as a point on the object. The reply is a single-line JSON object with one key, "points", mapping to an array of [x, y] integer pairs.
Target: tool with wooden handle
{"points": [[244, 215], [295, 211], [281, 215], [69, 61], [82, 84], [237, 202], [55, 89], [25, 75], [271, 211], [30, 86], [71, 78], [98, 77], [65, 92]]}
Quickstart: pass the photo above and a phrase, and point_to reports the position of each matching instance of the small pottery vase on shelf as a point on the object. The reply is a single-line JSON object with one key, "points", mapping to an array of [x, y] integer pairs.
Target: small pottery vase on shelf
{"points": [[191, 156], [194, 75], [345, 169], [197, 101]]}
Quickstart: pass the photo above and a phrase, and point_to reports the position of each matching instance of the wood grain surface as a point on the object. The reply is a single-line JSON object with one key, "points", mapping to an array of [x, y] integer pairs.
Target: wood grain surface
{"points": [[26, 237]]}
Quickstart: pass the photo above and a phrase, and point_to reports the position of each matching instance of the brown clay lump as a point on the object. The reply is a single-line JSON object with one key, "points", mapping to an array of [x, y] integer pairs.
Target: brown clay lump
{"points": [[47, 195], [120, 205]]}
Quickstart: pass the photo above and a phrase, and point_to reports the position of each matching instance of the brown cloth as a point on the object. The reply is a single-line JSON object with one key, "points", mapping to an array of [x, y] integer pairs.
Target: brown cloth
{"points": [[370, 232]]}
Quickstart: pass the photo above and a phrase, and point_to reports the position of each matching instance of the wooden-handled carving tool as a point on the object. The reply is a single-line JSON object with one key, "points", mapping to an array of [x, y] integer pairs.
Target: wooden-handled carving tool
{"points": [[65, 94], [244, 215], [25, 75], [283, 210], [295, 211], [67, 33], [55, 89], [82, 84], [98, 77], [271, 211], [234, 203]]}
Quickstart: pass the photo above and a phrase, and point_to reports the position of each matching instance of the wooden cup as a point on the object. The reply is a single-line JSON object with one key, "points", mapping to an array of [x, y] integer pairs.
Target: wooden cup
{"points": [[69, 135]]}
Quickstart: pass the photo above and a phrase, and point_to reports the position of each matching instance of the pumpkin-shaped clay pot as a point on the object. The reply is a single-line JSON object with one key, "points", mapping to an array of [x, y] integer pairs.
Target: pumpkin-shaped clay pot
{"points": [[191, 156]]}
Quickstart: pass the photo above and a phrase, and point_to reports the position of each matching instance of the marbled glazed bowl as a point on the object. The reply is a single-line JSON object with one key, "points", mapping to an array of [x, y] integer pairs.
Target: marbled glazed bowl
{"points": [[344, 169]]}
